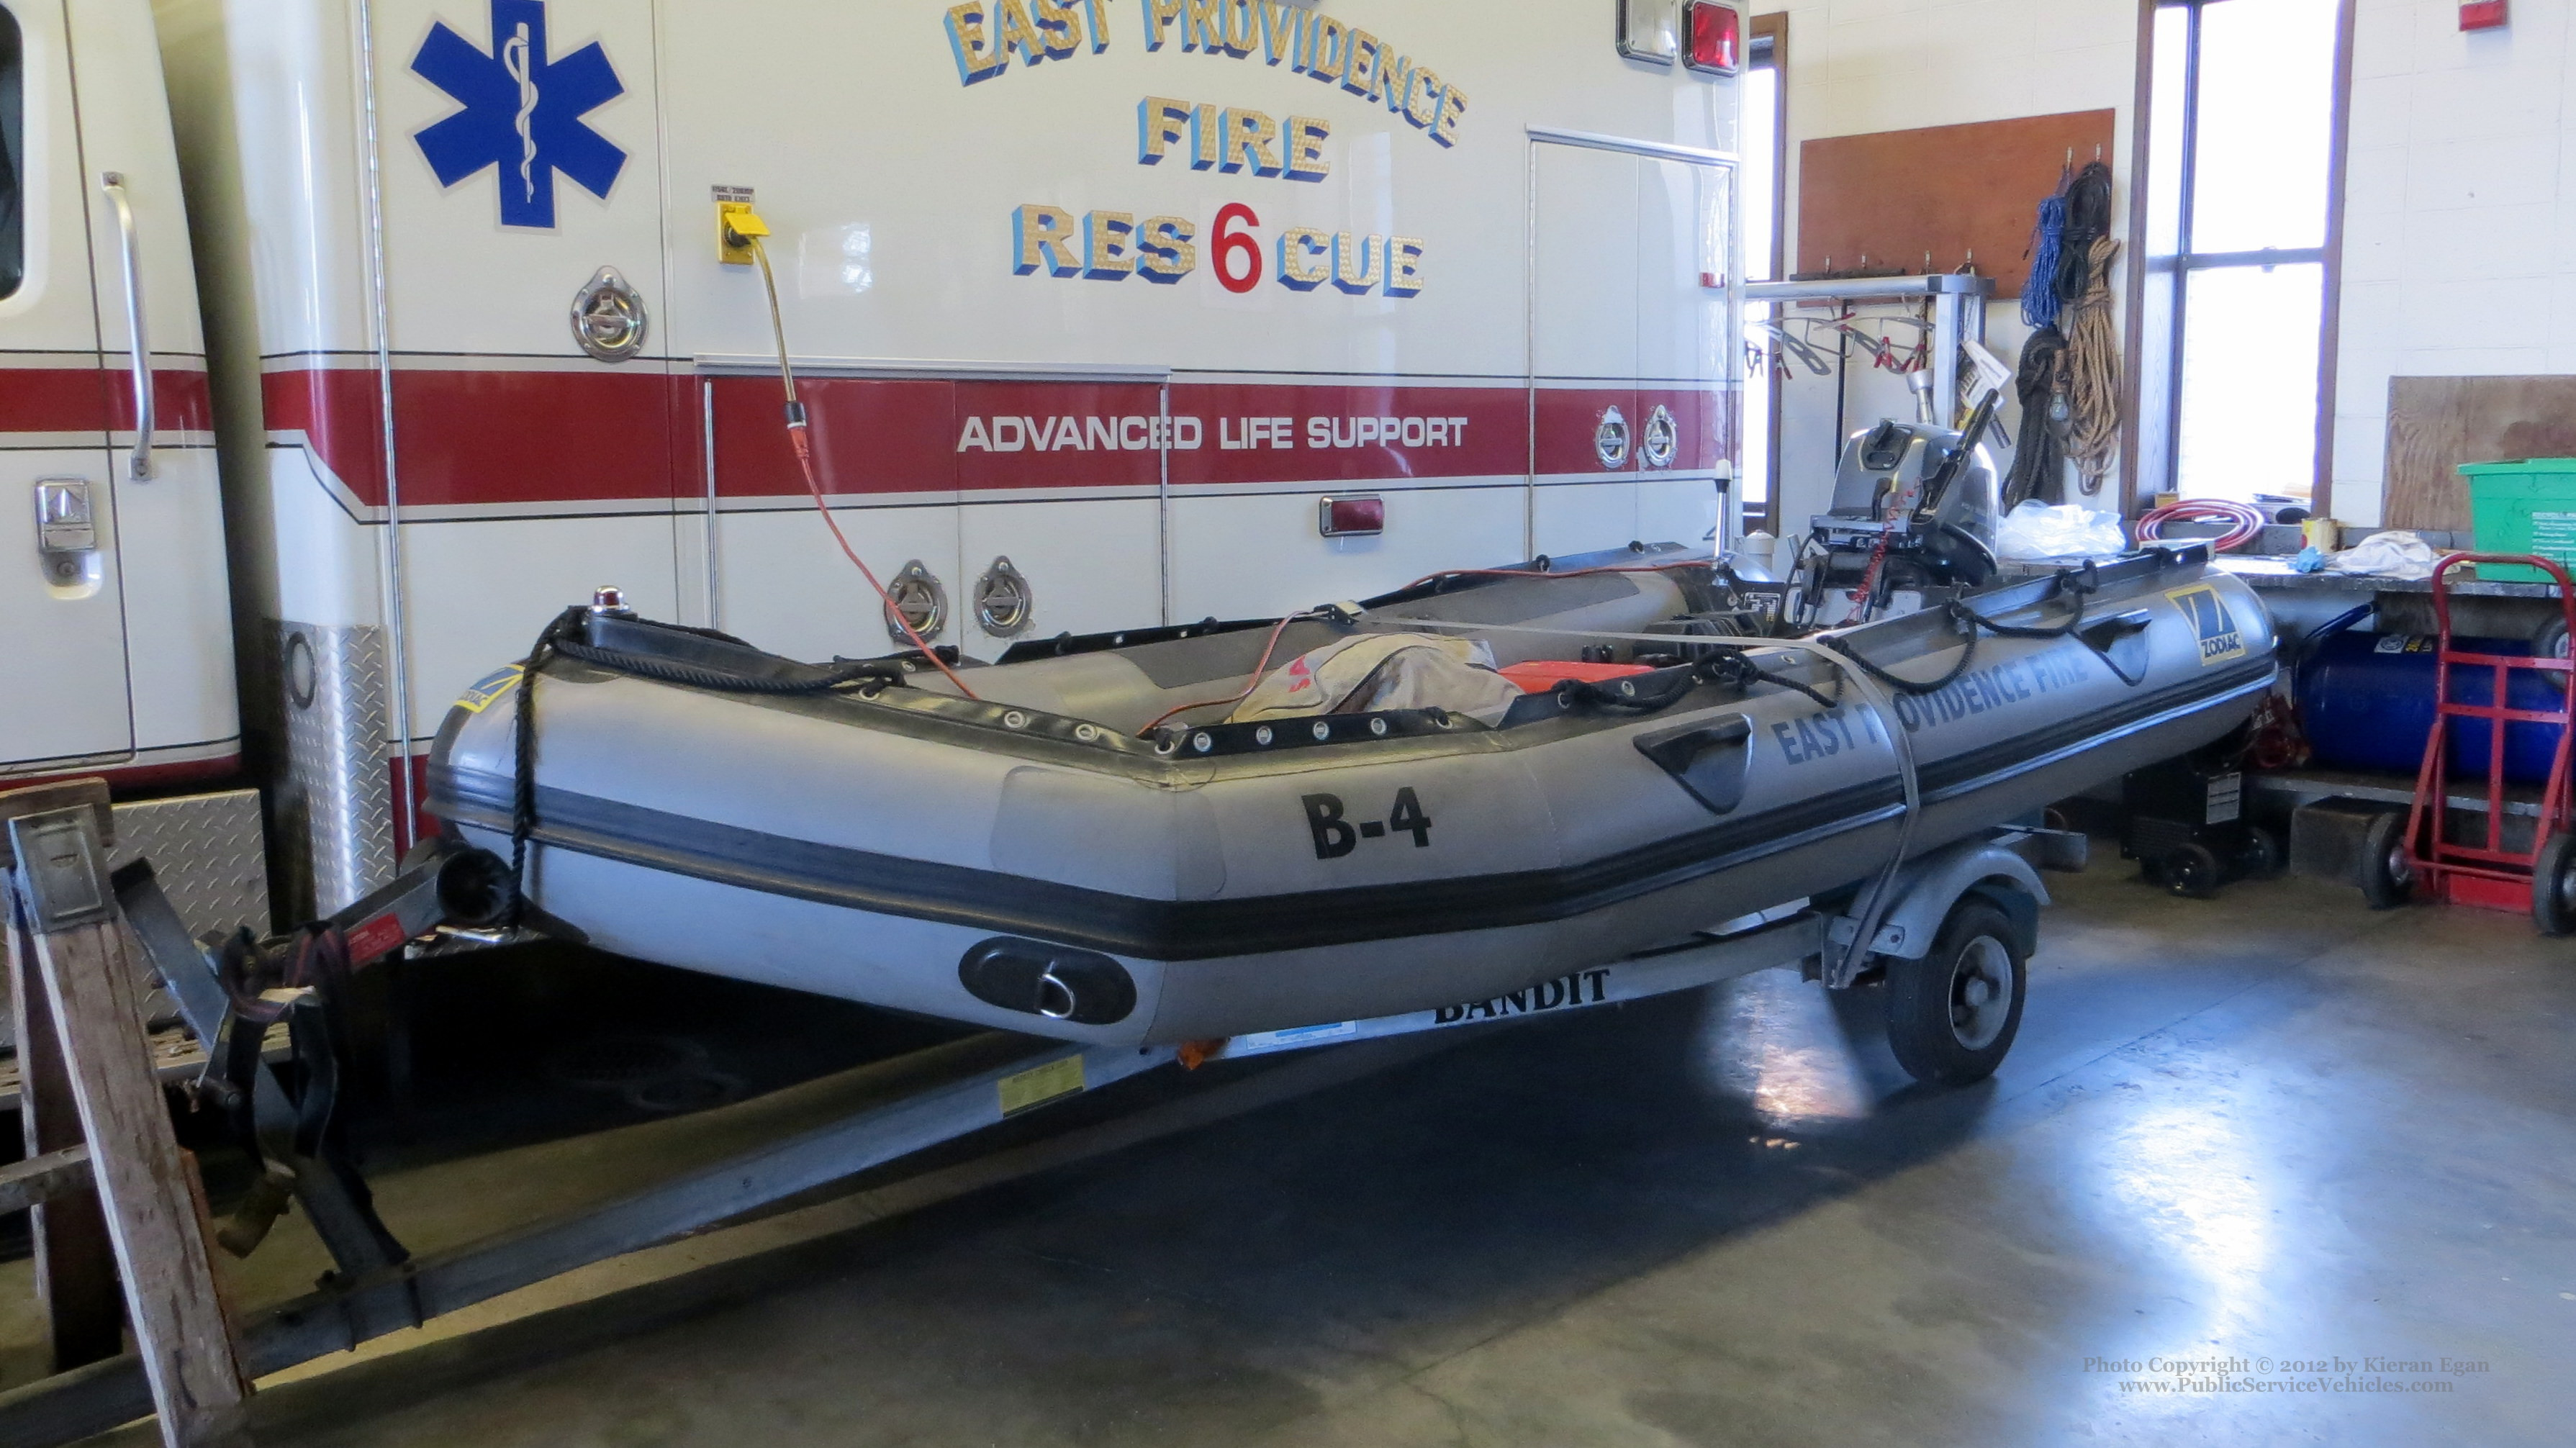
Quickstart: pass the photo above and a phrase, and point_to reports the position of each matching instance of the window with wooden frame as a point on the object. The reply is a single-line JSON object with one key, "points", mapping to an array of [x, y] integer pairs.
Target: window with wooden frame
{"points": [[2238, 221]]}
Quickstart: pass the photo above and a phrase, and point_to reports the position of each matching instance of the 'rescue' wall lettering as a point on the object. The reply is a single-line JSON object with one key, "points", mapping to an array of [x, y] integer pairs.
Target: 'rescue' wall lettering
{"points": [[986, 36], [1111, 246], [2000, 686]]}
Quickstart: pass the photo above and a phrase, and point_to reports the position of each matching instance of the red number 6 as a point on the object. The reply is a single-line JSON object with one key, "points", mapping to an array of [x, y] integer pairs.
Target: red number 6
{"points": [[1231, 243]]}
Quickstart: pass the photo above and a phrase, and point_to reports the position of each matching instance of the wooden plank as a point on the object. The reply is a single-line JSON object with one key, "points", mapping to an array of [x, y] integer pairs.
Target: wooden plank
{"points": [[182, 1331], [1955, 192], [30, 1183], [75, 1262], [2437, 423]]}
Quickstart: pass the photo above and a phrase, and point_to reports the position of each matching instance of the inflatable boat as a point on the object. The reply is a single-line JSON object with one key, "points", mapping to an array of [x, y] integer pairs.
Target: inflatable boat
{"points": [[1445, 794]]}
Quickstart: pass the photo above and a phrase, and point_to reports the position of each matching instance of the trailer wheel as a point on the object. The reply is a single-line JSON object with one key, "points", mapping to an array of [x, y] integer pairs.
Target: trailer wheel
{"points": [[1952, 1015], [2553, 886], [2387, 862], [2259, 856], [2190, 872]]}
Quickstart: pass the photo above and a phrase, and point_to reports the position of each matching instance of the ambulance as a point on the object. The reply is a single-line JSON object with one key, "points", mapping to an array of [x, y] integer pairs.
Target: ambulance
{"points": [[344, 342]]}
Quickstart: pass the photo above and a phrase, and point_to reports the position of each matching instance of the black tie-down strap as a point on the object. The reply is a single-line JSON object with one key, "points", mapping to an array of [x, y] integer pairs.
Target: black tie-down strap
{"points": [[290, 1123], [1661, 689], [2078, 584], [568, 635]]}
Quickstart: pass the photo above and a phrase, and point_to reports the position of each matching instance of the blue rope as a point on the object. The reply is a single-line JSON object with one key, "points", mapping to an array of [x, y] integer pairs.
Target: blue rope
{"points": [[2039, 299]]}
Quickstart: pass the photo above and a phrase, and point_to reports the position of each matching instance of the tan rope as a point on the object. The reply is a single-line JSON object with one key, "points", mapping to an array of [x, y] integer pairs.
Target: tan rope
{"points": [[2093, 371]]}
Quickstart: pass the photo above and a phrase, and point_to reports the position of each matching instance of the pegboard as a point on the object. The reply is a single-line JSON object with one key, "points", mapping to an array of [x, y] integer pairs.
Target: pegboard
{"points": [[1955, 192]]}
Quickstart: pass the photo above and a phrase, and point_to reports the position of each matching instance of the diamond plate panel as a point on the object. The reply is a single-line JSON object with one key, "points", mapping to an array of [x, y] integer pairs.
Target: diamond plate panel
{"points": [[210, 854], [339, 794]]}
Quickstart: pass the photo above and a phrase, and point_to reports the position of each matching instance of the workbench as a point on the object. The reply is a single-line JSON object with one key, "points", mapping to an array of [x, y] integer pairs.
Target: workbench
{"points": [[2480, 608]]}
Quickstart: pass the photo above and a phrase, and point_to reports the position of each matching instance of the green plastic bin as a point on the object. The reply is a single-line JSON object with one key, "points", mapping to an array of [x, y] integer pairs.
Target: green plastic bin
{"points": [[2525, 506]]}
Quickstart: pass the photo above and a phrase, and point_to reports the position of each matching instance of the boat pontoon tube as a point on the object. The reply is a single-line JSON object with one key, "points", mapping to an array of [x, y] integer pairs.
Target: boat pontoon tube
{"points": [[1025, 860]]}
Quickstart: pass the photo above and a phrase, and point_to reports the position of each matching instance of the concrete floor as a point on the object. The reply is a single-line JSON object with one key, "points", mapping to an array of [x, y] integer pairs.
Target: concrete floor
{"points": [[2274, 1128]]}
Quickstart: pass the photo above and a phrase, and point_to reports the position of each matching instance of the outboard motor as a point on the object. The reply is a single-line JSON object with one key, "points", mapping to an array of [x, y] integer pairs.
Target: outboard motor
{"points": [[1915, 507]]}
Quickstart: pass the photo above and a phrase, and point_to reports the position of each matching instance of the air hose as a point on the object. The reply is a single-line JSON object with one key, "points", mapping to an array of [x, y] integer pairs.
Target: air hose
{"points": [[798, 437], [2244, 521]]}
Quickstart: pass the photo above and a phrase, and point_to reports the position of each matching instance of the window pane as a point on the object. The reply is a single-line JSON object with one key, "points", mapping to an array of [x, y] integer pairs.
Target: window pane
{"points": [[2172, 71], [2249, 381], [1761, 151], [13, 204], [1761, 168], [2266, 108]]}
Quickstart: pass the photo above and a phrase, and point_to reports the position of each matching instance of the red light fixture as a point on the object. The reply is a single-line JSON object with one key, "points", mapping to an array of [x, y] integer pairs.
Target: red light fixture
{"points": [[1716, 38], [2482, 14], [1360, 517]]}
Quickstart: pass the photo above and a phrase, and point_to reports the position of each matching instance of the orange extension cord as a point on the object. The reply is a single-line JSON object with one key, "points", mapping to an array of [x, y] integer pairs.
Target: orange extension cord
{"points": [[798, 436]]}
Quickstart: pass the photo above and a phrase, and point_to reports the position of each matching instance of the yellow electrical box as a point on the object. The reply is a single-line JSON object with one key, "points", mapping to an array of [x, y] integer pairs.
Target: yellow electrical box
{"points": [[736, 224]]}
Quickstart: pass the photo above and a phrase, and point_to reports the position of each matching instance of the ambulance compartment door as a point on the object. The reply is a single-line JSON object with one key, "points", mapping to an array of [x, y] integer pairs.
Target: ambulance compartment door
{"points": [[1684, 227], [63, 673], [1626, 331], [174, 576]]}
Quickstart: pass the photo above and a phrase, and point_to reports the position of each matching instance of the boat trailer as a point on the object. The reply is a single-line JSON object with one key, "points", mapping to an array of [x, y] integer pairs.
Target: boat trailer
{"points": [[379, 1288]]}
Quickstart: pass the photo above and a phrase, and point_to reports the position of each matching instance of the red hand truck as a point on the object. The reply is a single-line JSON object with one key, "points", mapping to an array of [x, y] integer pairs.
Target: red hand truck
{"points": [[2543, 878]]}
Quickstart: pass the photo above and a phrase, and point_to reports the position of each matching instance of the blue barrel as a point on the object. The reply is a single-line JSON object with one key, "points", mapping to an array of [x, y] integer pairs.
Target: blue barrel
{"points": [[2364, 709]]}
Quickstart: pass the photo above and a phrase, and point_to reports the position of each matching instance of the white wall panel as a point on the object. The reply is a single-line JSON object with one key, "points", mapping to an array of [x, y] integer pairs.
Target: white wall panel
{"points": [[178, 614], [783, 584], [1860, 66], [1249, 557], [1587, 263], [462, 281], [2460, 214], [1676, 510], [481, 591], [1092, 567], [1587, 517], [62, 657]]}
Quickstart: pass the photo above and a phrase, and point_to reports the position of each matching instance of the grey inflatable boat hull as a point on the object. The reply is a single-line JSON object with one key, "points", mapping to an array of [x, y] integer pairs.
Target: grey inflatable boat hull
{"points": [[1024, 862]]}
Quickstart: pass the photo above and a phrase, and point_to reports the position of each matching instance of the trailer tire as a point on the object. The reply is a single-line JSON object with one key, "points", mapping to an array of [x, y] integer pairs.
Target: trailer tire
{"points": [[1952, 1014], [2189, 872], [2387, 862], [2553, 885], [2259, 857]]}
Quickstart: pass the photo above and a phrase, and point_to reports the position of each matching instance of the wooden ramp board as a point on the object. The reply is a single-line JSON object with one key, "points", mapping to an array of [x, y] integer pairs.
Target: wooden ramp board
{"points": [[2437, 423], [1951, 191], [68, 959]]}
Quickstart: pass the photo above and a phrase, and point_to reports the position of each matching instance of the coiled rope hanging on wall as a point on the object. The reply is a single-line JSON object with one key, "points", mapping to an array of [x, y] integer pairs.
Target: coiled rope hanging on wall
{"points": [[2093, 370], [2039, 451], [2088, 219], [2039, 302]]}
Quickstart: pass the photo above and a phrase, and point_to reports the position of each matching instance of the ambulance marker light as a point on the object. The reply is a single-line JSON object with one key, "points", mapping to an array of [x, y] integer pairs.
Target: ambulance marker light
{"points": [[1362, 517], [1646, 31], [1716, 34]]}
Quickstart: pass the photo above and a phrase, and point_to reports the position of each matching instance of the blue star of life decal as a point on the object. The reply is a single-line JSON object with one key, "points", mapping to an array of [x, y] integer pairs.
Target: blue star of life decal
{"points": [[520, 112]]}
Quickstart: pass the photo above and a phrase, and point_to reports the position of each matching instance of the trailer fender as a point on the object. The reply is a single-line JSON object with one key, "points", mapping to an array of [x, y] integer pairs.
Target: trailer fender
{"points": [[1929, 888]]}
